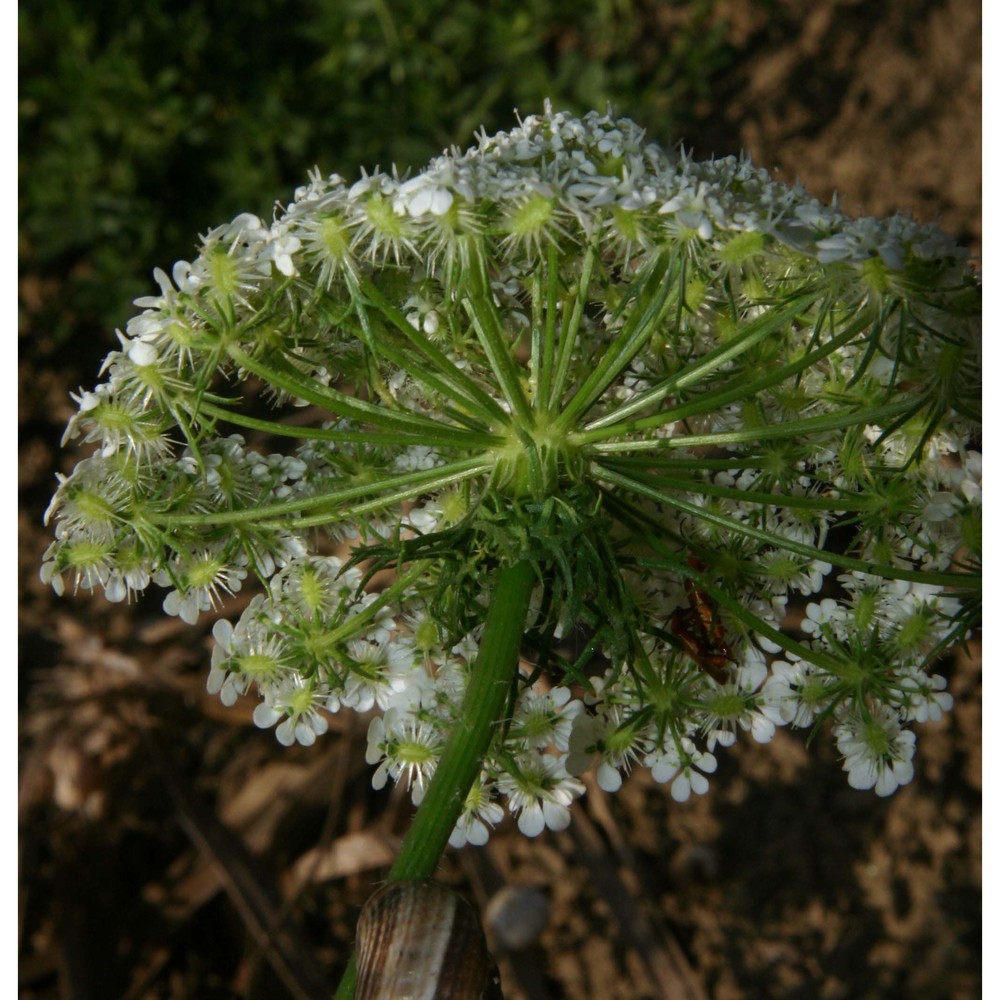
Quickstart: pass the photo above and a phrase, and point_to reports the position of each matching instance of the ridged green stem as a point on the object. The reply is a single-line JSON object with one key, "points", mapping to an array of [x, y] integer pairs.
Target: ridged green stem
{"points": [[482, 707]]}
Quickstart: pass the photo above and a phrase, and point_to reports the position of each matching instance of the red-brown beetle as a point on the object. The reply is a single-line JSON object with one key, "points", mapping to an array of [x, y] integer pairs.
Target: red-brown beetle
{"points": [[700, 632]]}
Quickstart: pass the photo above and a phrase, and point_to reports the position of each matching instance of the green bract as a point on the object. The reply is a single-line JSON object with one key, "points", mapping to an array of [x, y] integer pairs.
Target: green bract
{"points": [[691, 398]]}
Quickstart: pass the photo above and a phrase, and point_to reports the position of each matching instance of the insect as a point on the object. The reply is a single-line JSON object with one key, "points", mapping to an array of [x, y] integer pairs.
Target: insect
{"points": [[700, 632]]}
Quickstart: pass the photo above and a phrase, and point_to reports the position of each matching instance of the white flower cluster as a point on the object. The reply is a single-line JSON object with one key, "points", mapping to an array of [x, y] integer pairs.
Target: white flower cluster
{"points": [[284, 651], [557, 176], [695, 399], [526, 770]]}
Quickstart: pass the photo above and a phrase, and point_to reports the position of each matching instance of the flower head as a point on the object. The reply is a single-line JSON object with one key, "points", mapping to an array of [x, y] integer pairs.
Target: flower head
{"points": [[693, 398]]}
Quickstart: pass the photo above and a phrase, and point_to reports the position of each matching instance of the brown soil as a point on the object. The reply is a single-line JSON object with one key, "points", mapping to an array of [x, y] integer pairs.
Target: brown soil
{"points": [[168, 849]]}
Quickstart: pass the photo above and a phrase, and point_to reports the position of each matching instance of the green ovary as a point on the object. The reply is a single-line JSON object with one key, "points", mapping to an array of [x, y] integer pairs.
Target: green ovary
{"points": [[532, 217], [84, 553], [728, 706], [94, 508], [383, 219], [619, 741], [313, 591], [876, 739], [205, 573], [334, 238], [301, 701], [224, 271], [257, 665], [414, 754]]}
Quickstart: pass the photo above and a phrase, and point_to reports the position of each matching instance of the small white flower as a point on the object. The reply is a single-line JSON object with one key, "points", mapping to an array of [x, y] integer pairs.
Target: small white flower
{"points": [[682, 764], [971, 478], [246, 655], [921, 698], [608, 740], [281, 249], [405, 747], [941, 506], [416, 458], [141, 353], [543, 718], [424, 195], [738, 705], [878, 752], [826, 612], [795, 693], [479, 815], [539, 793], [378, 671], [50, 574], [295, 704]]}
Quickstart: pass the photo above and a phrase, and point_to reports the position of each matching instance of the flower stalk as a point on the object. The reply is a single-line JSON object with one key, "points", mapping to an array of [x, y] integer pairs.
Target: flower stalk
{"points": [[491, 687]]}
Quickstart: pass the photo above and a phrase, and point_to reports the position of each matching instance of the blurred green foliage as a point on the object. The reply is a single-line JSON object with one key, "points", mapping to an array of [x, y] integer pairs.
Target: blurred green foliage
{"points": [[143, 125]]}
